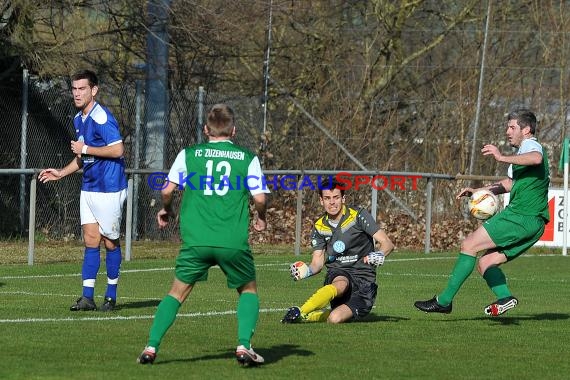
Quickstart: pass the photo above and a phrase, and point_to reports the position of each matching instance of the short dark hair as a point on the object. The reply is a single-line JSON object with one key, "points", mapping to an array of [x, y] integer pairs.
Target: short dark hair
{"points": [[86, 74], [524, 117], [220, 120], [331, 184]]}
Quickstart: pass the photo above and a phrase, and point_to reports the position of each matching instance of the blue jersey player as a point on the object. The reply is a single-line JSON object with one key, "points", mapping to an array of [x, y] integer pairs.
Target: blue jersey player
{"points": [[99, 152]]}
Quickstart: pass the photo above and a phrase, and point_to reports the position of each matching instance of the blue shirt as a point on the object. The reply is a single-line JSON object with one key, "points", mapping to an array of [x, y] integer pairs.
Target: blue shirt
{"points": [[105, 175]]}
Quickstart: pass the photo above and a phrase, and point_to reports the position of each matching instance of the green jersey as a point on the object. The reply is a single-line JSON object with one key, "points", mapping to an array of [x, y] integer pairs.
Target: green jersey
{"points": [[218, 178], [529, 194]]}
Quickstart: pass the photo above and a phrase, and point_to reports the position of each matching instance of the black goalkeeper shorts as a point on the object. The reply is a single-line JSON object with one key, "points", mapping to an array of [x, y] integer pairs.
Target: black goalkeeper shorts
{"points": [[359, 297]]}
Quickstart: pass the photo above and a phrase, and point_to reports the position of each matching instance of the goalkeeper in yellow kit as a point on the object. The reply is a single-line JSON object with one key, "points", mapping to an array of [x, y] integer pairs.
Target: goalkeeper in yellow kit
{"points": [[344, 240]]}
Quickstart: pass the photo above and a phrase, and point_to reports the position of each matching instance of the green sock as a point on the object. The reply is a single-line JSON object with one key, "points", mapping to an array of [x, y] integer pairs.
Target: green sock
{"points": [[163, 319], [462, 269], [247, 314], [497, 282]]}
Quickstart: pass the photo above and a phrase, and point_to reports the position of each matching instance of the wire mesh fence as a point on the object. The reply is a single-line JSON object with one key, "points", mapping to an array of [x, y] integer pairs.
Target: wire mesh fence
{"points": [[400, 205], [43, 141]]}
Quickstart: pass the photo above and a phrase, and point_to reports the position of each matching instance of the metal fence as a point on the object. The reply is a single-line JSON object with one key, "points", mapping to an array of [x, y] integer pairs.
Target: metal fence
{"points": [[367, 187], [40, 125], [37, 128]]}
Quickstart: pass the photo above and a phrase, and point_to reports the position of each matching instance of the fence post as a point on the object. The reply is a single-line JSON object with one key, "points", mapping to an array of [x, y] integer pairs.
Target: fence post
{"points": [[138, 123], [298, 221], [129, 221], [200, 116], [32, 221], [23, 147], [429, 192], [374, 201]]}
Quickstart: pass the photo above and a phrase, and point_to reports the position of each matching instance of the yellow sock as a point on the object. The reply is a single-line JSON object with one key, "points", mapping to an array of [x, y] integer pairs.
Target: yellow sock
{"points": [[317, 316], [319, 299]]}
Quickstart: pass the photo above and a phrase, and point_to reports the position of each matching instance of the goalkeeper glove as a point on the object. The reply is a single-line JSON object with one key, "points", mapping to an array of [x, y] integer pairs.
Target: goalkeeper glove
{"points": [[300, 270], [376, 258]]}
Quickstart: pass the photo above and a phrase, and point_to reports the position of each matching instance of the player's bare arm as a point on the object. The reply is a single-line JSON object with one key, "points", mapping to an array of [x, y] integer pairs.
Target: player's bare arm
{"points": [[501, 187], [317, 261], [166, 212], [465, 192], [109, 151], [51, 174], [527, 159], [384, 242], [260, 204]]}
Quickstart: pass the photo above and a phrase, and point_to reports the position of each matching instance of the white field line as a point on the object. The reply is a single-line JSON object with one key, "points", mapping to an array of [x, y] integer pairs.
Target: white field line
{"points": [[79, 274], [285, 268], [184, 315], [128, 318]]}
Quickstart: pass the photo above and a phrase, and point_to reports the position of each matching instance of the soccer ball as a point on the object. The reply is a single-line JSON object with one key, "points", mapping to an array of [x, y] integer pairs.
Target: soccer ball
{"points": [[483, 204]]}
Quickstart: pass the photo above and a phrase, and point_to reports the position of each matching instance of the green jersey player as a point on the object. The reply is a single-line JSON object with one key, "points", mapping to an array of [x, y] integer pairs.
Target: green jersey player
{"points": [[217, 177], [508, 234]]}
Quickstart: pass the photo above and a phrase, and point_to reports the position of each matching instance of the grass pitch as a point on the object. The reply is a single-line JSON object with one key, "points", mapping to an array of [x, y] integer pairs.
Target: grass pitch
{"points": [[41, 339]]}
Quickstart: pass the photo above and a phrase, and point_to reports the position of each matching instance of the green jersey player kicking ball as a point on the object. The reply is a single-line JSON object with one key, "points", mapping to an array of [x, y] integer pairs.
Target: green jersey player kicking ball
{"points": [[508, 234]]}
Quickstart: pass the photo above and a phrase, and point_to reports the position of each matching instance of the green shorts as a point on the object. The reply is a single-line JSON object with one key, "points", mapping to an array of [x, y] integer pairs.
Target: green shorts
{"points": [[193, 263], [513, 233]]}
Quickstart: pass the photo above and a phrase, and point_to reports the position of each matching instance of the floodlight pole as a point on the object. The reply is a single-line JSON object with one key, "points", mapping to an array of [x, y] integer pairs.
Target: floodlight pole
{"points": [[480, 90]]}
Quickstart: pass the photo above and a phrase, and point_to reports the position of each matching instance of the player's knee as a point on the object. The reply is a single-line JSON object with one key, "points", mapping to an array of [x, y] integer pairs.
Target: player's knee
{"points": [[334, 319], [466, 247], [339, 315], [481, 267]]}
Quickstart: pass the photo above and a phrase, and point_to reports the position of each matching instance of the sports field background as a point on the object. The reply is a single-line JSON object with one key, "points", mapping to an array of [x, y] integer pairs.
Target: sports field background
{"points": [[41, 339]]}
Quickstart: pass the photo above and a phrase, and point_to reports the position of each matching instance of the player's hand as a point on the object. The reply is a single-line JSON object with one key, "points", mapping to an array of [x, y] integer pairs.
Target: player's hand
{"points": [[163, 217], [374, 258], [300, 270], [259, 224], [465, 192], [47, 175], [76, 147], [489, 149]]}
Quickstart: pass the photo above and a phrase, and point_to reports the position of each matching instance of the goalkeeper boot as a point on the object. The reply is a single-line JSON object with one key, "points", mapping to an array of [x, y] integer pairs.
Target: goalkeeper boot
{"points": [[108, 304], [83, 303], [248, 357], [293, 315], [501, 306], [432, 306], [147, 356]]}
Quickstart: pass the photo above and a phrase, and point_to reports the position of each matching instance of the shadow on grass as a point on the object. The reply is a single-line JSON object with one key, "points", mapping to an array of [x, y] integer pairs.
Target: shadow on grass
{"points": [[271, 355], [371, 318], [137, 305], [515, 320], [2, 284]]}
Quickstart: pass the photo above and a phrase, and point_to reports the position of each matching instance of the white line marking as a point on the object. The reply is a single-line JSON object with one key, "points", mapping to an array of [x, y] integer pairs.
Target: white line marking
{"points": [[35, 294], [79, 274], [285, 267], [128, 318]]}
